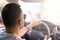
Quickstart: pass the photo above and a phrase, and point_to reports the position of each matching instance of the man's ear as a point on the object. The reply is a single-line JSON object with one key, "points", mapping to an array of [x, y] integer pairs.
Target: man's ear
{"points": [[19, 23]]}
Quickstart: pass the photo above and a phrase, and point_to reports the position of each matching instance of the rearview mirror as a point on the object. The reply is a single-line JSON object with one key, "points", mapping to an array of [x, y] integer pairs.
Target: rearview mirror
{"points": [[34, 0], [27, 0]]}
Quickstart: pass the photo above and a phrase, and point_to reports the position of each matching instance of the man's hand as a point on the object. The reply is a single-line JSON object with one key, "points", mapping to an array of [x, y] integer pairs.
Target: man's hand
{"points": [[32, 24], [46, 38]]}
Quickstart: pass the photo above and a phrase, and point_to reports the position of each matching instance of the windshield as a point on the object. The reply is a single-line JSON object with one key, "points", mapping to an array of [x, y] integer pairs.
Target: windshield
{"points": [[49, 11]]}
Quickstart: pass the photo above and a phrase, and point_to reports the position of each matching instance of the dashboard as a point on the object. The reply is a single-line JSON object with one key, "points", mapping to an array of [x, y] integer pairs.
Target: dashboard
{"points": [[38, 31], [54, 30]]}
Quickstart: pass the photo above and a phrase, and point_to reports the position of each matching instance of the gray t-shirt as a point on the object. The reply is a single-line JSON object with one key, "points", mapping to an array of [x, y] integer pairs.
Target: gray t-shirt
{"points": [[7, 36]]}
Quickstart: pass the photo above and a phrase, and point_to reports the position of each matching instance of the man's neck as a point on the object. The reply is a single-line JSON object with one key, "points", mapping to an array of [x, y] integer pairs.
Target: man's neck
{"points": [[12, 31]]}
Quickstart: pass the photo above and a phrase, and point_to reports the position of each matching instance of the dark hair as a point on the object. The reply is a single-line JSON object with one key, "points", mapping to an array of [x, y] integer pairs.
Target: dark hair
{"points": [[11, 14]]}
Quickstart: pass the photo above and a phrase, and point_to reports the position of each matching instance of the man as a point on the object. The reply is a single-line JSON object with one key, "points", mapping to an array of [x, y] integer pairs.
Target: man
{"points": [[13, 20]]}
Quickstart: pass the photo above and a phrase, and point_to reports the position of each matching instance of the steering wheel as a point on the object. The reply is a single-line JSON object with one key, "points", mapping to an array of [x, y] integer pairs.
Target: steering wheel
{"points": [[47, 28], [35, 35]]}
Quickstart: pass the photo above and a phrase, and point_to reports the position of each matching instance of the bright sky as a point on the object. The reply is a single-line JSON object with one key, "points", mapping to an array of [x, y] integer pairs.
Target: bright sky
{"points": [[50, 11]]}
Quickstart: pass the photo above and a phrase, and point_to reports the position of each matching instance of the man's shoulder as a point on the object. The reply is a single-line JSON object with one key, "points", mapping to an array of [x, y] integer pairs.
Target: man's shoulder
{"points": [[9, 38]]}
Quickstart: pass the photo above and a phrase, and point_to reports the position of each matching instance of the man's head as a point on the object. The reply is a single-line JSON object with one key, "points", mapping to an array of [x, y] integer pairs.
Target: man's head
{"points": [[11, 15]]}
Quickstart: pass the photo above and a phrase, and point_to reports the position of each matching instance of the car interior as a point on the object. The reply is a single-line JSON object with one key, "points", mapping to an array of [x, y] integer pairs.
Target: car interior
{"points": [[48, 11]]}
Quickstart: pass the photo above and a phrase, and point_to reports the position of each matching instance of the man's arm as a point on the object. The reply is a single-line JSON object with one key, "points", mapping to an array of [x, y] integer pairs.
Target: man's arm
{"points": [[28, 27]]}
